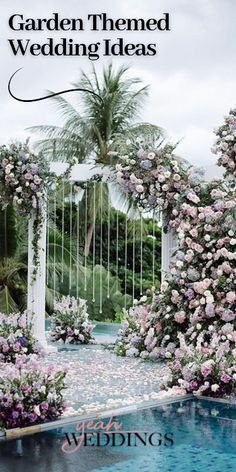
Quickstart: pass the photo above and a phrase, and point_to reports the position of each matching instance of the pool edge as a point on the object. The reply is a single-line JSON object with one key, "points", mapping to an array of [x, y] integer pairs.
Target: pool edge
{"points": [[61, 422]]}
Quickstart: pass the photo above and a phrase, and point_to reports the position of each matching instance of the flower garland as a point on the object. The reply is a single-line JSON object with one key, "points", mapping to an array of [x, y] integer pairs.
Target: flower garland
{"points": [[158, 179], [24, 180]]}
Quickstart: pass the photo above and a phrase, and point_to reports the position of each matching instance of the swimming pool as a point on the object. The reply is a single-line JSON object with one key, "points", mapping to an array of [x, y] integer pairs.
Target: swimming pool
{"points": [[204, 435], [104, 333]]}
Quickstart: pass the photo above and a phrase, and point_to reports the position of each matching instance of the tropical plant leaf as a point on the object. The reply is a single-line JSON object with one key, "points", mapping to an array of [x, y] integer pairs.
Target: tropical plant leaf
{"points": [[7, 304], [8, 232]]}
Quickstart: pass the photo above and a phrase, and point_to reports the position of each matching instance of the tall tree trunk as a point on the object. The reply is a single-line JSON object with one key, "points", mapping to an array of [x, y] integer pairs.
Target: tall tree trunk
{"points": [[88, 239]]}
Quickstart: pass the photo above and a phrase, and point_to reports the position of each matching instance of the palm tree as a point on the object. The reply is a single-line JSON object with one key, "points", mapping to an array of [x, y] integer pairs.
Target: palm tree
{"points": [[12, 268], [99, 128], [103, 122]]}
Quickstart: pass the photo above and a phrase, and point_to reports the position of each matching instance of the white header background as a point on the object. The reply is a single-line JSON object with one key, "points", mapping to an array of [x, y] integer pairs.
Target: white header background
{"points": [[192, 78]]}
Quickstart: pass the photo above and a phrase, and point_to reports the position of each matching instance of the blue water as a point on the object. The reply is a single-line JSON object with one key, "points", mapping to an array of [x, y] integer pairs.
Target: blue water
{"points": [[100, 327], [204, 435]]}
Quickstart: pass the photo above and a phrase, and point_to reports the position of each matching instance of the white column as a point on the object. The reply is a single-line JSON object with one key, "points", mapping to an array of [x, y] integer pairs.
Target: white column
{"points": [[36, 285], [165, 253], [168, 245]]}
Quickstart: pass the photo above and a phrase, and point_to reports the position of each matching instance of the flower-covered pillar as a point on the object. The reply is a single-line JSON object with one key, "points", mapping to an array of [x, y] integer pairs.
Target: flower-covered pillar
{"points": [[168, 243], [37, 277]]}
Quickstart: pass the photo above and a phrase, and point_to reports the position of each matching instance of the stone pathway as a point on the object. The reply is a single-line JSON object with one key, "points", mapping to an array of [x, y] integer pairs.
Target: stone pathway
{"points": [[99, 380]]}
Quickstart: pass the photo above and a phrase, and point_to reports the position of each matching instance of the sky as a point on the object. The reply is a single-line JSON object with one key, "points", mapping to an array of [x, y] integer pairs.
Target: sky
{"points": [[192, 78]]}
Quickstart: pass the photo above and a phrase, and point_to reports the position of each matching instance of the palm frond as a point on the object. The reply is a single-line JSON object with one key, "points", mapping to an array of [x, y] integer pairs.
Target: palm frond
{"points": [[8, 232]]}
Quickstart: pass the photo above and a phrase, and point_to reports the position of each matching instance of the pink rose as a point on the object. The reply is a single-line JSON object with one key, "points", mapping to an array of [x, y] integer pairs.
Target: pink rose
{"points": [[230, 297], [180, 317], [158, 326], [139, 188], [225, 378]]}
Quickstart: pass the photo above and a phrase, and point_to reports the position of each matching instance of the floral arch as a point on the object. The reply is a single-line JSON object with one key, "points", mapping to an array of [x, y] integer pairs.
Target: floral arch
{"points": [[193, 210]]}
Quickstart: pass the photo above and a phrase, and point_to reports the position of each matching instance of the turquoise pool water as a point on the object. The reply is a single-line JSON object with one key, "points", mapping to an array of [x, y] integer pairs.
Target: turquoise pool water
{"points": [[204, 435], [101, 327]]}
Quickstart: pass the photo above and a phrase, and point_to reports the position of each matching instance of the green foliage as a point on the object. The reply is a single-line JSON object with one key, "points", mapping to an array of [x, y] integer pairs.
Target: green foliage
{"points": [[133, 252], [7, 303], [8, 233], [151, 237], [96, 289]]}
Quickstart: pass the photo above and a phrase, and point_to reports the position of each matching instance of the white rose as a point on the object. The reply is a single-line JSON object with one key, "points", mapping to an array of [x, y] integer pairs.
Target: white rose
{"points": [[37, 410], [167, 355], [167, 174], [179, 264]]}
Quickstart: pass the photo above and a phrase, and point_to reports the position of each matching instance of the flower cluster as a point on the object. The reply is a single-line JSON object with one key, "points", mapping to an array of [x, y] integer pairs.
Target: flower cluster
{"points": [[205, 362], [157, 179], [201, 284], [130, 341], [16, 337], [23, 178], [70, 322], [30, 392], [225, 145], [199, 291]]}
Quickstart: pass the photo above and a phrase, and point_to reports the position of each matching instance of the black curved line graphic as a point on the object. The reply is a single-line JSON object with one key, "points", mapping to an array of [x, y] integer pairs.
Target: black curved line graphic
{"points": [[47, 96]]}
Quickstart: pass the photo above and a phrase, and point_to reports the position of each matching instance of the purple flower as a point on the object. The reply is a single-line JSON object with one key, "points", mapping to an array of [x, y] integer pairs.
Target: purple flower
{"points": [[210, 310], [219, 206], [141, 154], [135, 340], [16, 347], [225, 378], [22, 156], [132, 352], [189, 294], [32, 417], [26, 388], [34, 168], [146, 165], [22, 340], [44, 406], [152, 200]]}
